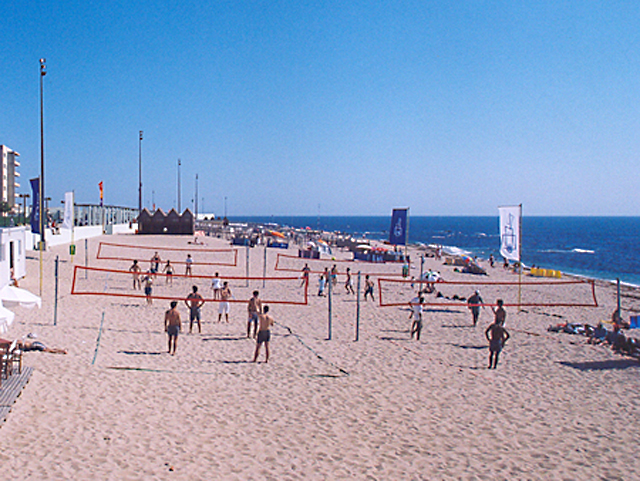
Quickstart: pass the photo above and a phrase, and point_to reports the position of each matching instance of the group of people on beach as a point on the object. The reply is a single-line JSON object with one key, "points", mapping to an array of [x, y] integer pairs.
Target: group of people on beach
{"points": [[331, 276], [258, 318]]}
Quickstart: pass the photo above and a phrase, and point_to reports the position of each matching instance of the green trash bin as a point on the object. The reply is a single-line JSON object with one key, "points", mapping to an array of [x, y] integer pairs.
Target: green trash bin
{"points": [[72, 249]]}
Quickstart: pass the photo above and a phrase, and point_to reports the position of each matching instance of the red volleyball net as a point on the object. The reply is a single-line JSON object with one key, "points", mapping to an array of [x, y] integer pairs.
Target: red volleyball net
{"points": [[289, 263], [177, 255], [95, 281], [551, 293]]}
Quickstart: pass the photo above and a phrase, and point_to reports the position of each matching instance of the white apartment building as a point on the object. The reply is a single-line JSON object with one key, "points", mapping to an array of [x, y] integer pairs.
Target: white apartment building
{"points": [[10, 176]]}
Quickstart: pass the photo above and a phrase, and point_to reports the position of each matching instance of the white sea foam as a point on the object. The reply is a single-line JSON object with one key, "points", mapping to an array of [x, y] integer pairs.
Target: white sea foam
{"points": [[583, 251]]}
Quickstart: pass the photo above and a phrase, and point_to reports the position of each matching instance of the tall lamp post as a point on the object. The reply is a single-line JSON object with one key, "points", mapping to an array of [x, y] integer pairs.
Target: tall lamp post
{"points": [[24, 198], [179, 204], [43, 72], [140, 173]]}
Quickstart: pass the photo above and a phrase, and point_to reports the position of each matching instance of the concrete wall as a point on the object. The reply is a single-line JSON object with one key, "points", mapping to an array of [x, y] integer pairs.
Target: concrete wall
{"points": [[79, 233]]}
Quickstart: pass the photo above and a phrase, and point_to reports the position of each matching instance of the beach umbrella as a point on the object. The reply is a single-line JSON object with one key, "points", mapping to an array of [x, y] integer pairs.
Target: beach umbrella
{"points": [[363, 246], [6, 318], [14, 296]]}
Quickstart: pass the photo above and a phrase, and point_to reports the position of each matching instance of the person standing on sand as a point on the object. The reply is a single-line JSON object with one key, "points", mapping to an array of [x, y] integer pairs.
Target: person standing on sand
{"points": [[254, 309], [194, 302], [168, 270], [416, 313], [474, 303], [305, 274], [225, 295], [321, 283], [155, 263], [172, 326], [188, 264], [500, 313], [497, 336], [148, 287], [264, 334], [368, 288], [347, 284], [216, 285], [135, 268]]}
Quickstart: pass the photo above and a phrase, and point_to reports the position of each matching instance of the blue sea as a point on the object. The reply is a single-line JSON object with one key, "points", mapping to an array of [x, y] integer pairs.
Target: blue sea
{"points": [[598, 247]]}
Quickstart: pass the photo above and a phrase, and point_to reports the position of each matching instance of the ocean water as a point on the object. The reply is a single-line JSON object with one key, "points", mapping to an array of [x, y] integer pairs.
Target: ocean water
{"points": [[598, 247]]}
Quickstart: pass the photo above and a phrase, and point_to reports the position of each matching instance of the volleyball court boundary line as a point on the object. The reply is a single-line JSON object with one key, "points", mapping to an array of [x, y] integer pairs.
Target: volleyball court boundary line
{"points": [[498, 283], [184, 298], [180, 249], [335, 261]]}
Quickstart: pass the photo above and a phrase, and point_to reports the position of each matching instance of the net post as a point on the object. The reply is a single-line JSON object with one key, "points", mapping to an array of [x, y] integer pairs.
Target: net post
{"points": [[619, 312], [86, 257], [358, 308], [247, 265], [55, 305], [329, 299]]}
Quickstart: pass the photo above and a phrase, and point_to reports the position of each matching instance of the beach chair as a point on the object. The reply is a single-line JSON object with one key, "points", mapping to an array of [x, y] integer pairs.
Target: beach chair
{"points": [[10, 357]]}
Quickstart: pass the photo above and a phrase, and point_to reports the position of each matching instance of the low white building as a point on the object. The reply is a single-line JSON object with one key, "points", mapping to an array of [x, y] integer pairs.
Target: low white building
{"points": [[13, 248]]}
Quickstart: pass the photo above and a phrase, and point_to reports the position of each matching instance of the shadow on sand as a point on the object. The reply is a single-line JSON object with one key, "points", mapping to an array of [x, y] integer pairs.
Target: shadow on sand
{"points": [[222, 338], [142, 353], [602, 365]]}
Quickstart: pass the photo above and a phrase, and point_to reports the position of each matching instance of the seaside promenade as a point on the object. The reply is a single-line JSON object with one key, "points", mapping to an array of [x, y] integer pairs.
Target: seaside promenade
{"points": [[384, 407]]}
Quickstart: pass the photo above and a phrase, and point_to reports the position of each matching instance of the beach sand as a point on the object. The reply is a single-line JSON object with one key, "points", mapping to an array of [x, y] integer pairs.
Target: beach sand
{"points": [[385, 407]]}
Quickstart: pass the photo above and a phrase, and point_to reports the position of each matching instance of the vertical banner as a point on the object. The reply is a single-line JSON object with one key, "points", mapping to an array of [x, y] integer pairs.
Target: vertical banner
{"points": [[398, 231], [68, 221], [35, 206], [510, 217], [101, 193]]}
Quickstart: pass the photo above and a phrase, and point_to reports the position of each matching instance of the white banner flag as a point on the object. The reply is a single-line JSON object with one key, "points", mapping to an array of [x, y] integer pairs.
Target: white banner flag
{"points": [[68, 211], [510, 232]]}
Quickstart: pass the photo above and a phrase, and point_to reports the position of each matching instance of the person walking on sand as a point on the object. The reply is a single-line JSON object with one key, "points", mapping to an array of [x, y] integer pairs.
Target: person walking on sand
{"points": [[172, 326], [368, 288], [497, 336], [194, 302], [216, 285], [224, 308], [474, 302], [321, 283], [135, 269], [334, 275], [168, 270], [264, 334], [416, 313], [254, 309], [347, 284], [305, 275], [148, 287], [188, 263]]}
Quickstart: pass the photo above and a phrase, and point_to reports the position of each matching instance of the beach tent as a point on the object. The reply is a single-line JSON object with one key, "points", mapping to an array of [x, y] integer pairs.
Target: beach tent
{"points": [[14, 296], [6, 318]]}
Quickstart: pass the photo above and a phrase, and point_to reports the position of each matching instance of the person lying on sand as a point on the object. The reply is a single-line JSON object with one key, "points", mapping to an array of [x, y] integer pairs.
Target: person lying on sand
{"points": [[25, 346]]}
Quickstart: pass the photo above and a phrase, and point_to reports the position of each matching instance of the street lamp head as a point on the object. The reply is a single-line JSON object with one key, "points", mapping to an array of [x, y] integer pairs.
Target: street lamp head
{"points": [[141, 135], [43, 67]]}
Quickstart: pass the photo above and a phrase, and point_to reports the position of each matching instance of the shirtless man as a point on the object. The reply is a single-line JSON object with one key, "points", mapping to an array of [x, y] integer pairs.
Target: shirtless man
{"points": [[497, 336], [474, 302], [155, 263], [368, 288], [348, 284], [500, 313], [194, 301], [225, 295], [135, 268], [33, 346], [264, 333], [148, 287], [168, 270], [254, 309], [172, 326], [305, 275]]}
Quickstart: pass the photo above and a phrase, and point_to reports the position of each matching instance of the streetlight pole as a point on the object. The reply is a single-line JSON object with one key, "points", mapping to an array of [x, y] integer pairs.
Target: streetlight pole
{"points": [[179, 204], [140, 173], [196, 197], [43, 72]]}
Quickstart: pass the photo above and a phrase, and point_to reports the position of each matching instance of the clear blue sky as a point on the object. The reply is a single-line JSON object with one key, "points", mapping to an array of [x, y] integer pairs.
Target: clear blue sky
{"points": [[306, 108]]}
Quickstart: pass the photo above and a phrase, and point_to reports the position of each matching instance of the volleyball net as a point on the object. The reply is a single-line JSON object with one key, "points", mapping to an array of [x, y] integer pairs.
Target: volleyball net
{"points": [[95, 281], [177, 255], [543, 293], [289, 263]]}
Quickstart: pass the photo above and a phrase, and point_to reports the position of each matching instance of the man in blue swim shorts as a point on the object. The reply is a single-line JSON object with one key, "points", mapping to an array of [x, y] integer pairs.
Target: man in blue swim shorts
{"points": [[265, 322], [172, 325]]}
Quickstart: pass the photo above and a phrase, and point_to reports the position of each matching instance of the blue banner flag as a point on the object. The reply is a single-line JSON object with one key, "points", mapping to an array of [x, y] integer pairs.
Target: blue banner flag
{"points": [[35, 206], [398, 231]]}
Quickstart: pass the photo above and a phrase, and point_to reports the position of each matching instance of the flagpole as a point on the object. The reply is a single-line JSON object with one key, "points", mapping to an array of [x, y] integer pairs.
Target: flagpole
{"points": [[520, 261], [73, 221]]}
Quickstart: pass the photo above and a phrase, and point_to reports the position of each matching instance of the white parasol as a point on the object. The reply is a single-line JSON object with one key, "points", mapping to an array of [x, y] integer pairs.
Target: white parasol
{"points": [[14, 296]]}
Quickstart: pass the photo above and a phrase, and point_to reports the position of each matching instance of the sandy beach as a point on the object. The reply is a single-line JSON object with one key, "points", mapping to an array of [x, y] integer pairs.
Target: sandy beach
{"points": [[385, 407]]}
